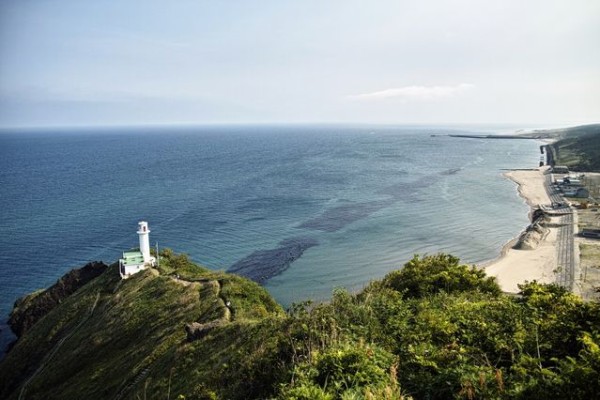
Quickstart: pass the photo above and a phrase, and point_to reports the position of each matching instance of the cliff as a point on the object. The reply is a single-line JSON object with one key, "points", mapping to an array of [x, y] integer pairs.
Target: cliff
{"points": [[31, 308], [436, 329]]}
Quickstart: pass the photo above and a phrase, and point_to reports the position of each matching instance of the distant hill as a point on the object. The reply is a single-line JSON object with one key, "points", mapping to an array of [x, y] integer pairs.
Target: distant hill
{"points": [[578, 147], [436, 329], [562, 133]]}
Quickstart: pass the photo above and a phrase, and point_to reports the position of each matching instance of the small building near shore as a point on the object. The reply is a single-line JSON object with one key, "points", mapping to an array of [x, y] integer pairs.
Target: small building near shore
{"points": [[560, 169], [580, 193], [136, 260]]}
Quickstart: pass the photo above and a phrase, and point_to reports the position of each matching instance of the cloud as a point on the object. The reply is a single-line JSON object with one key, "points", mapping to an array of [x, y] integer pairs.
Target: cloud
{"points": [[419, 93]]}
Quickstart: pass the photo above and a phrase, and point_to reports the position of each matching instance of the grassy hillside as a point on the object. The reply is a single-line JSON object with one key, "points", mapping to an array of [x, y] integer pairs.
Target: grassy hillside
{"points": [[29, 309], [112, 334], [578, 148], [434, 330]]}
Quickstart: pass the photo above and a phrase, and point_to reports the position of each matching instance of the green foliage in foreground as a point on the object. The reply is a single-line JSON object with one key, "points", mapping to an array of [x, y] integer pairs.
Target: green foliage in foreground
{"points": [[422, 277], [433, 330]]}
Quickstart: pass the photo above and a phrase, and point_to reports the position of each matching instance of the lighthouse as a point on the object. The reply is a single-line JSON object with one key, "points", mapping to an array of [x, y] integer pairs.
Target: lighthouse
{"points": [[136, 260], [144, 234]]}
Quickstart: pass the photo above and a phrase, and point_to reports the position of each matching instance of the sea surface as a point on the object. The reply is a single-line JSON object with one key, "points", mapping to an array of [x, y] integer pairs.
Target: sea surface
{"points": [[301, 209]]}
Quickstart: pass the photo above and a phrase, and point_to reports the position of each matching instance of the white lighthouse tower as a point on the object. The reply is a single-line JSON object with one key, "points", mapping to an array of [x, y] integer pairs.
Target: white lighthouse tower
{"points": [[144, 233], [135, 260]]}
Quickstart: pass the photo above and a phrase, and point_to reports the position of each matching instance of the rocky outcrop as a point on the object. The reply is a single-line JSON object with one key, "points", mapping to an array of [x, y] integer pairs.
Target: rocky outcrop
{"points": [[197, 330], [31, 308]]}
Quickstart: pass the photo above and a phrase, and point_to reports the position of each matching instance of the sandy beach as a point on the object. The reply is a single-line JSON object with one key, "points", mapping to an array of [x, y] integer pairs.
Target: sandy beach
{"points": [[516, 266]]}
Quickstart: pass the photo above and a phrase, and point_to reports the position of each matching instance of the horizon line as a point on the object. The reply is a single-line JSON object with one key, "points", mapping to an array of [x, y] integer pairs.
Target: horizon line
{"points": [[524, 125]]}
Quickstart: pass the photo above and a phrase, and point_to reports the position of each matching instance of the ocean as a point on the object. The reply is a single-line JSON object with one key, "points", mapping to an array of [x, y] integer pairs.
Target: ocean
{"points": [[320, 206]]}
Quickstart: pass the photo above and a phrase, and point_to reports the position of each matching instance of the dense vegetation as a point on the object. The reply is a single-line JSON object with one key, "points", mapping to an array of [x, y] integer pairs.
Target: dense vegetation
{"points": [[579, 148], [436, 329]]}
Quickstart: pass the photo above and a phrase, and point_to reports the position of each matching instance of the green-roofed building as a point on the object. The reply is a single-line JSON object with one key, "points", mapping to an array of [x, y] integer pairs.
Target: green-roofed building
{"points": [[136, 260]]}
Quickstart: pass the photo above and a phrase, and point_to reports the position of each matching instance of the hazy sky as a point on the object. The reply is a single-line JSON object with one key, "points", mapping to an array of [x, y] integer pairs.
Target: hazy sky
{"points": [[117, 62]]}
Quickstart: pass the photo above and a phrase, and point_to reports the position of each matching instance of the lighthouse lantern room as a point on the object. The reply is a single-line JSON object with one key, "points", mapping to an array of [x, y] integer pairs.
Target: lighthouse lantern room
{"points": [[135, 260]]}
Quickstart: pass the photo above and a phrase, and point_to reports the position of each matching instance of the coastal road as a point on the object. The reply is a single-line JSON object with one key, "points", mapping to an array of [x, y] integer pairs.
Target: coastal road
{"points": [[565, 248], [565, 242]]}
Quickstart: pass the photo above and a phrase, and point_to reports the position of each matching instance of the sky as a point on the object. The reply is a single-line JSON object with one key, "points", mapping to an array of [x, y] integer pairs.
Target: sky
{"points": [[132, 62]]}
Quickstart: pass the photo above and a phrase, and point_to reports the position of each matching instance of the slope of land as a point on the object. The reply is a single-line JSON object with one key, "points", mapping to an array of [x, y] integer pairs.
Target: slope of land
{"points": [[562, 133], [111, 337], [578, 148], [31, 308], [434, 330]]}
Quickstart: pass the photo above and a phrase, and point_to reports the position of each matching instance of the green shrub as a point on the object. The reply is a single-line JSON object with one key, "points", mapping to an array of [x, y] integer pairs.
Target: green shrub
{"points": [[439, 273], [344, 371]]}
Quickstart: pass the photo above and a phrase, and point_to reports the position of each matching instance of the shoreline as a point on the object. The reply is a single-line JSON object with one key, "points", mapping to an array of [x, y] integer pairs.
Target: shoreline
{"points": [[515, 266]]}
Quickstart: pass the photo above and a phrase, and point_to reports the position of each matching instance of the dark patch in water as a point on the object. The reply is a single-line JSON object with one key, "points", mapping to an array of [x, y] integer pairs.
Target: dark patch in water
{"points": [[254, 219], [272, 205], [407, 191], [262, 265], [451, 171], [336, 218]]}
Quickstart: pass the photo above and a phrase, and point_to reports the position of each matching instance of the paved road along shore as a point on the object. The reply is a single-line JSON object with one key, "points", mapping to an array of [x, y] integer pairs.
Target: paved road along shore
{"points": [[565, 244]]}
